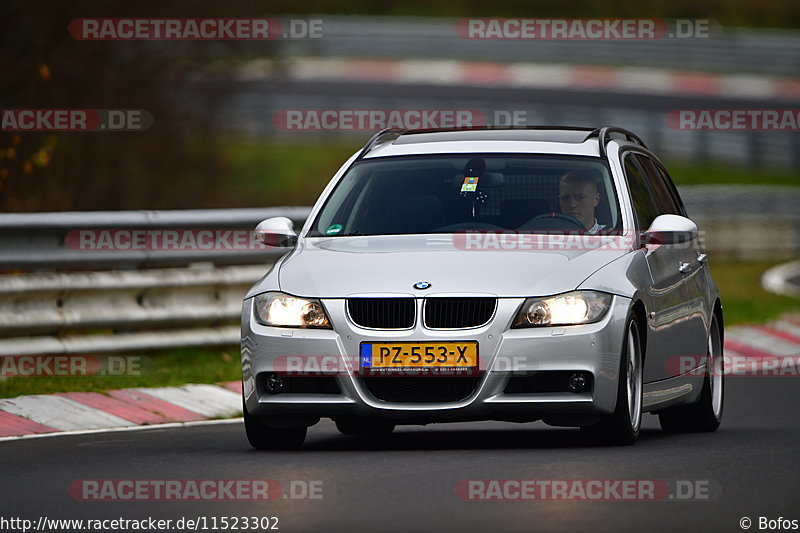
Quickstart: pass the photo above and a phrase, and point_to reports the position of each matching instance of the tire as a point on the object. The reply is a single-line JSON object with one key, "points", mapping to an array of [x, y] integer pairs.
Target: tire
{"points": [[362, 426], [621, 427], [705, 415], [264, 437]]}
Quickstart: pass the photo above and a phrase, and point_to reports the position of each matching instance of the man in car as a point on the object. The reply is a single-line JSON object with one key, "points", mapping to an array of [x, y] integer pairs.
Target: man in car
{"points": [[578, 196]]}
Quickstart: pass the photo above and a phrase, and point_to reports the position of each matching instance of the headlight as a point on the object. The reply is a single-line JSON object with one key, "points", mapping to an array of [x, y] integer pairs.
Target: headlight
{"points": [[282, 310], [578, 307]]}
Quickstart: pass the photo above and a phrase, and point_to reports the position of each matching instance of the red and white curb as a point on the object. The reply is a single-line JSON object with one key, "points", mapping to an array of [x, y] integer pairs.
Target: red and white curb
{"points": [[118, 409], [526, 75], [777, 338]]}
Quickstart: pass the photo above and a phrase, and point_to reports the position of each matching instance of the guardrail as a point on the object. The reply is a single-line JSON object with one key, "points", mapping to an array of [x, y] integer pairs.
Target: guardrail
{"points": [[132, 307], [106, 312], [31, 241], [746, 221]]}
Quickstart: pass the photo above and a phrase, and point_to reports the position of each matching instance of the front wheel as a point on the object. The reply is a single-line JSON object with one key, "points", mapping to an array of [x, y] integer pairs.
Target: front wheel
{"points": [[264, 437], [622, 426], [706, 414]]}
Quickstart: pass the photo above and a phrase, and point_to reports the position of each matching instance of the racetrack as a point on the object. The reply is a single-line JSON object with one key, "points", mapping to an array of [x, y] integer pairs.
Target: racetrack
{"points": [[405, 482]]}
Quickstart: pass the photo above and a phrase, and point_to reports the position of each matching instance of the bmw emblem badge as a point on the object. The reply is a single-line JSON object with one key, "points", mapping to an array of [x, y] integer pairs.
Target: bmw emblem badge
{"points": [[422, 285]]}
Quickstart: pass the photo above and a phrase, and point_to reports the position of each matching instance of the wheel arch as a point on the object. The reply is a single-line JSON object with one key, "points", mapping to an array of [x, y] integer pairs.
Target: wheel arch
{"points": [[638, 310], [717, 312]]}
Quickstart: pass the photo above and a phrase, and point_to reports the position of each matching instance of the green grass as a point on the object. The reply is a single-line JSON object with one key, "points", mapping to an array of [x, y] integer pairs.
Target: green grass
{"points": [[283, 172], [159, 369], [743, 298], [716, 174]]}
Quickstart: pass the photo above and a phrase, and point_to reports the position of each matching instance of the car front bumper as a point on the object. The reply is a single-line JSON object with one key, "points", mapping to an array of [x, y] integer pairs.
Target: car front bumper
{"points": [[504, 353]]}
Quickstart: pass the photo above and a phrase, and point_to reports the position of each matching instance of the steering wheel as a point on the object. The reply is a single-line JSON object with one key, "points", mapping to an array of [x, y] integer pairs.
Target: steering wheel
{"points": [[531, 224]]}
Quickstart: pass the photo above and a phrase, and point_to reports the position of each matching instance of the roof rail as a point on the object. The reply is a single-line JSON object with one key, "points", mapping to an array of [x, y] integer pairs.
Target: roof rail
{"points": [[395, 131], [375, 138], [604, 135], [484, 127]]}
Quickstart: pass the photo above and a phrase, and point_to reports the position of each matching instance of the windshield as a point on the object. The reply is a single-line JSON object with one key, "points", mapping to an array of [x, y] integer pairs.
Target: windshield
{"points": [[454, 193]]}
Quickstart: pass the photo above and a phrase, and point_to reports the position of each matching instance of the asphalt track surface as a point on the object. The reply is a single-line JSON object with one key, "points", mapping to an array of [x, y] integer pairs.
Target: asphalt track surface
{"points": [[405, 481]]}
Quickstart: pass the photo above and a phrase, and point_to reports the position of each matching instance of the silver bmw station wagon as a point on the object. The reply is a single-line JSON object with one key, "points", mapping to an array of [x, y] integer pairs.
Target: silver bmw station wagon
{"points": [[512, 274]]}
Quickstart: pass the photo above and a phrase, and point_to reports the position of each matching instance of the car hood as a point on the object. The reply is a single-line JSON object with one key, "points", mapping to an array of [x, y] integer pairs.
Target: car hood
{"points": [[344, 266]]}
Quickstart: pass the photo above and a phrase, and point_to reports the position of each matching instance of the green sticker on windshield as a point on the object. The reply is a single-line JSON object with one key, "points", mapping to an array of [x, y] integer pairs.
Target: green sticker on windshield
{"points": [[334, 229], [470, 184]]}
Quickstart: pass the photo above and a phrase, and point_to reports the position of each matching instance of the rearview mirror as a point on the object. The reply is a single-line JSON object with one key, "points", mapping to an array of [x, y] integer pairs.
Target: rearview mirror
{"points": [[276, 231], [670, 229]]}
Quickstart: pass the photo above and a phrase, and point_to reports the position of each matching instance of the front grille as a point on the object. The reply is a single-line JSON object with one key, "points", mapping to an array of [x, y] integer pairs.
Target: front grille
{"points": [[421, 389], [382, 313], [453, 313]]}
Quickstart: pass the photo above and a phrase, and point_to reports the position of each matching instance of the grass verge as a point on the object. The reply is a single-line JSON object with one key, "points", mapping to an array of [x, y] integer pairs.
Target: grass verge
{"points": [[159, 369], [744, 300], [716, 174], [274, 173]]}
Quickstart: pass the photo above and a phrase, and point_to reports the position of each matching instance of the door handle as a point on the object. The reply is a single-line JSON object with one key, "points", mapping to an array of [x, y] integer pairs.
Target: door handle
{"points": [[702, 258], [684, 267]]}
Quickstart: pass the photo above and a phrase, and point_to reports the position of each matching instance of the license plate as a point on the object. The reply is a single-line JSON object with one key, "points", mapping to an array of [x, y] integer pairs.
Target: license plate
{"points": [[431, 355]]}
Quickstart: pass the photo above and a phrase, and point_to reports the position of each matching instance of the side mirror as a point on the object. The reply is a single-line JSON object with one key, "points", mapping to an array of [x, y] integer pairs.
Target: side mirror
{"points": [[670, 229], [277, 231]]}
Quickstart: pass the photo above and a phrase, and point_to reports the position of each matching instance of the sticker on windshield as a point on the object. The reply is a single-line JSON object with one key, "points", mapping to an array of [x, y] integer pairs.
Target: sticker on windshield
{"points": [[333, 229], [470, 184]]}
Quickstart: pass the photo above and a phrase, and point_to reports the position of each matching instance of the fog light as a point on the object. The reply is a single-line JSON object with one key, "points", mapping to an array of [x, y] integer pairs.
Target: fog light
{"points": [[577, 382], [274, 384]]}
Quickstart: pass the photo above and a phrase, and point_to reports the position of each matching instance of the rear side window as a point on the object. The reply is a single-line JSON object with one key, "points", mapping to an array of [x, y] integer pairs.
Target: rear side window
{"points": [[644, 204], [664, 201]]}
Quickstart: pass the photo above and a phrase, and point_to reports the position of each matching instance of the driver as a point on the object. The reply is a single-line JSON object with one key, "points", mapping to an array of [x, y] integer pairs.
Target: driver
{"points": [[578, 196]]}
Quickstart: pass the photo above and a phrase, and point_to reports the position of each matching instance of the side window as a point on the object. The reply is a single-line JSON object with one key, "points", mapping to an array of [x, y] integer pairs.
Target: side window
{"points": [[644, 205], [671, 186], [664, 201]]}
